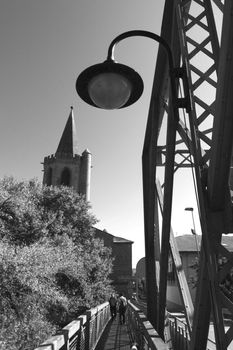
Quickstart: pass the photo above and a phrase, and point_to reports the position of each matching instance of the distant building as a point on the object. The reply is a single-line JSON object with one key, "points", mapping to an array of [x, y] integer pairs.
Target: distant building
{"points": [[66, 167], [187, 246], [122, 263], [140, 279]]}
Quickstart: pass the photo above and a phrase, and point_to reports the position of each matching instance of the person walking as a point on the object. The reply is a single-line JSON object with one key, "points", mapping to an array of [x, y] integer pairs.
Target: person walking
{"points": [[122, 308], [113, 305]]}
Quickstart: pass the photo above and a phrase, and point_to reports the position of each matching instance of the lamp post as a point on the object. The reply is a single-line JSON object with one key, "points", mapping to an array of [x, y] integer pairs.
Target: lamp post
{"points": [[194, 228], [111, 85]]}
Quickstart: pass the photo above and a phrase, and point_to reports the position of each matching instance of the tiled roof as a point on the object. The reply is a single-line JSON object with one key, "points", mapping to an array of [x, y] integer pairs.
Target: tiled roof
{"points": [[121, 240], [187, 243], [115, 239]]}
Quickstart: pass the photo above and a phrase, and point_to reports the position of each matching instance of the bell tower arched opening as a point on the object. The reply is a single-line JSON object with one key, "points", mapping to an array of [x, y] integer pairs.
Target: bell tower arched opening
{"points": [[66, 177], [49, 176]]}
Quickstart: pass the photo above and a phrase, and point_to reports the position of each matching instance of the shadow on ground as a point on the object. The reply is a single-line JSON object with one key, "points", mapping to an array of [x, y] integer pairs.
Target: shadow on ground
{"points": [[115, 336]]}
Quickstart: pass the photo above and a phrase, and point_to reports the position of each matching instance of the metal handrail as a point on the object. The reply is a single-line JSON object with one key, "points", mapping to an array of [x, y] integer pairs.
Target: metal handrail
{"points": [[85, 332], [141, 330], [180, 334], [81, 334]]}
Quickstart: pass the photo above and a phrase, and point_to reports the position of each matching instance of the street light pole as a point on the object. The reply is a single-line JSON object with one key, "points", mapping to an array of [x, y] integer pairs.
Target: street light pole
{"points": [[112, 80]]}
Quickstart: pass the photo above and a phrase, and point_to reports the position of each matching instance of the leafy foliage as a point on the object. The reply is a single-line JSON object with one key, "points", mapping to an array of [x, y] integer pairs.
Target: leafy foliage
{"points": [[30, 211], [52, 267]]}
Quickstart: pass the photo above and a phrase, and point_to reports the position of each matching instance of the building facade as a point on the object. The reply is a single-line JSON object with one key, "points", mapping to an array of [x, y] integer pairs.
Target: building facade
{"points": [[121, 276]]}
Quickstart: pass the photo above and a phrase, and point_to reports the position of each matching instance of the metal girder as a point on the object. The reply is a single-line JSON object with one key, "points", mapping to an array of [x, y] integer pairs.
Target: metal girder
{"points": [[222, 139], [166, 223], [203, 141], [212, 194], [201, 112], [148, 165], [160, 94], [156, 111], [182, 282]]}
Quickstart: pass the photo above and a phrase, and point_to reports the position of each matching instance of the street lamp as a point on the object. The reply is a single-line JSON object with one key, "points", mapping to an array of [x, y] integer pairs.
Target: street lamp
{"points": [[194, 228], [111, 85]]}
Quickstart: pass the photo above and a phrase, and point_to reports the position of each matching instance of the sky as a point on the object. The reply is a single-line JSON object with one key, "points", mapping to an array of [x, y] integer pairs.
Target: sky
{"points": [[45, 45]]}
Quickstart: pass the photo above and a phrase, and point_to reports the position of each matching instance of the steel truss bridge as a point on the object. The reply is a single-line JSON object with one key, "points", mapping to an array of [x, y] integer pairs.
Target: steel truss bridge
{"points": [[199, 124], [200, 34]]}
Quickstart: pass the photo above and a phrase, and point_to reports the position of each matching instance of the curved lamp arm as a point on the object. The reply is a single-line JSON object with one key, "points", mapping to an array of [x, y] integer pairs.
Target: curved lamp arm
{"points": [[143, 33]]}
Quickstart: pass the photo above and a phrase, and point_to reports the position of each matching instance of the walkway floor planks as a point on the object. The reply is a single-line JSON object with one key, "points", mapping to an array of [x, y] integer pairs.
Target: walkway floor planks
{"points": [[115, 337]]}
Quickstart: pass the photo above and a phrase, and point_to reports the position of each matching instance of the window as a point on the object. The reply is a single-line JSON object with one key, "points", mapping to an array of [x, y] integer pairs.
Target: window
{"points": [[65, 177], [49, 177]]}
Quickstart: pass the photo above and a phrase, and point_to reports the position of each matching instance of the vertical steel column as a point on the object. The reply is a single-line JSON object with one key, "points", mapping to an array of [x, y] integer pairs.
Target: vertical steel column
{"points": [[157, 110], [148, 170], [167, 208]]}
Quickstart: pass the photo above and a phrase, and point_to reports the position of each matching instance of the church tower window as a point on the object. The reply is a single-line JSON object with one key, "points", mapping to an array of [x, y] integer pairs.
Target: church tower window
{"points": [[65, 177], [49, 176]]}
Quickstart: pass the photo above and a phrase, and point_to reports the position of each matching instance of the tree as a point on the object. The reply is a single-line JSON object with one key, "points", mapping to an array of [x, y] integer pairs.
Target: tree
{"points": [[52, 266], [28, 290], [30, 211]]}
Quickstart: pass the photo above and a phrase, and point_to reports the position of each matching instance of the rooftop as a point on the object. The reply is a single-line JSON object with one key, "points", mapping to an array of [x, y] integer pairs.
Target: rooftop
{"points": [[187, 243]]}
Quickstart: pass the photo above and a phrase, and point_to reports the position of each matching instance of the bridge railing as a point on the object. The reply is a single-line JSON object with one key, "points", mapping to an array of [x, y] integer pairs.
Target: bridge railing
{"points": [[180, 336], [141, 330], [178, 332], [81, 334]]}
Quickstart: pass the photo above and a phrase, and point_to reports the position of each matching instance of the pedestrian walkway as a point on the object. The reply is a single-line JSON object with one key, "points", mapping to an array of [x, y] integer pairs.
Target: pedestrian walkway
{"points": [[115, 336]]}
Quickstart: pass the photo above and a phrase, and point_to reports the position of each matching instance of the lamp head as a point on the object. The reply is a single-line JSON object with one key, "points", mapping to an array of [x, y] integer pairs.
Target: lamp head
{"points": [[109, 85], [189, 209]]}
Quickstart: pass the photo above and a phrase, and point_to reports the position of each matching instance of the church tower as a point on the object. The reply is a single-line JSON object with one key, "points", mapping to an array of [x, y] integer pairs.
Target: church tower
{"points": [[66, 167]]}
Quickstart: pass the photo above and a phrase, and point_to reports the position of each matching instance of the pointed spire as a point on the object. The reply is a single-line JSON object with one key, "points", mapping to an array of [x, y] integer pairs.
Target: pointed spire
{"points": [[68, 141]]}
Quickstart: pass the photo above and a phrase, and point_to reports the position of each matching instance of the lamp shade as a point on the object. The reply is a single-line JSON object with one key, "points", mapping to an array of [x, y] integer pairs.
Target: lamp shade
{"points": [[109, 90], [109, 85]]}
